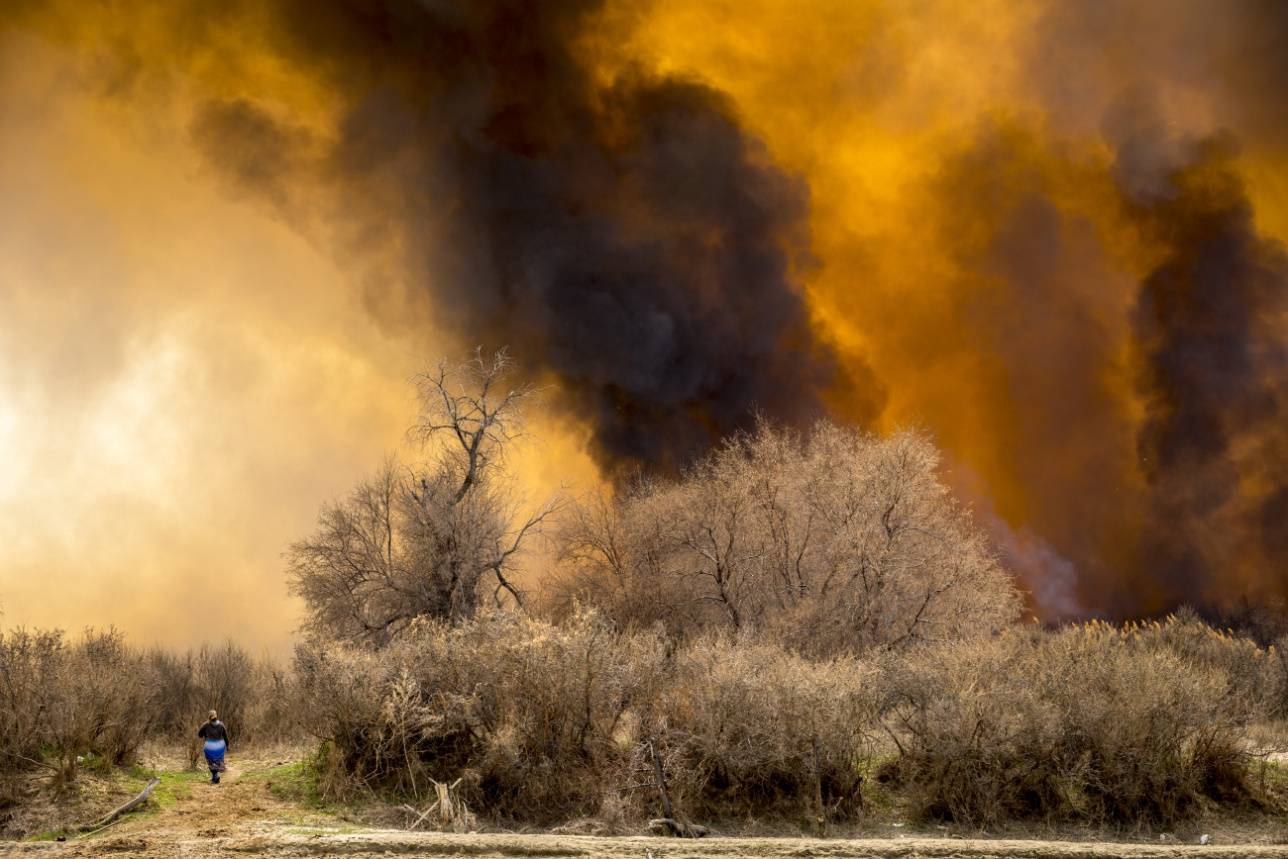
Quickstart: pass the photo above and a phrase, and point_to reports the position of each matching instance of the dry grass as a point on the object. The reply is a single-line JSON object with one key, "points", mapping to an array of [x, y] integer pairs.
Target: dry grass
{"points": [[1253, 674]]}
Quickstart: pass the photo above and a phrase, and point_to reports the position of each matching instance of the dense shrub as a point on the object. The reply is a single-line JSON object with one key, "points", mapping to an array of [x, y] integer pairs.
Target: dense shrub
{"points": [[1276, 680], [547, 722], [528, 713], [30, 665], [254, 697], [60, 700], [752, 728], [1088, 723], [1246, 666], [830, 542]]}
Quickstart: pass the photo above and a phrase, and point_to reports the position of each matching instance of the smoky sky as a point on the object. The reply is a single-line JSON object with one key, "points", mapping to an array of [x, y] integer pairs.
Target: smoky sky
{"points": [[1049, 233], [1208, 325], [626, 237], [1034, 305]]}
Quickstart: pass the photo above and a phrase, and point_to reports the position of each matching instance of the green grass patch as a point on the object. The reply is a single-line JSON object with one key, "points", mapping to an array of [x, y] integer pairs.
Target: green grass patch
{"points": [[880, 795], [1270, 779], [126, 782], [51, 835], [173, 787], [296, 781], [176, 785]]}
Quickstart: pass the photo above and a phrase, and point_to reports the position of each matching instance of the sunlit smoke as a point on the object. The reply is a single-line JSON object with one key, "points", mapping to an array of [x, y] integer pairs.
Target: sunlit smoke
{"points": [[628, 238], [1049, 233]]}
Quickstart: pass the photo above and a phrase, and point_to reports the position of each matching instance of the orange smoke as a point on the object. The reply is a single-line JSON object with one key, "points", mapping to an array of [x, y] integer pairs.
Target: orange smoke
{"points": [[985, 254], [1050, 234]]}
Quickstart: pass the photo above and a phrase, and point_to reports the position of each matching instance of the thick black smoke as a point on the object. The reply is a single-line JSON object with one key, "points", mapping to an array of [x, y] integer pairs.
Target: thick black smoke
{"points": [[1180, 496], [1209, 329], [626, 236]]}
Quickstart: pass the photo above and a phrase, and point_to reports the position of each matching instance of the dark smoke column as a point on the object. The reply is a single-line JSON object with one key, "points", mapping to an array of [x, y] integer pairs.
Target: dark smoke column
{"points": [[1213, 375], [626, 237]]}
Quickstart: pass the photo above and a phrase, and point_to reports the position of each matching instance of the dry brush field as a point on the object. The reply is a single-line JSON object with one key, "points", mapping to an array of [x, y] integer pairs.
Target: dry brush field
{"points": [[801, 634], [246, 816]]}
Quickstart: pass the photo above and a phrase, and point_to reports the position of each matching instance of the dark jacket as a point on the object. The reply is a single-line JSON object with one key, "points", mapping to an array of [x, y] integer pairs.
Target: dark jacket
{"points": [[214, 731]]}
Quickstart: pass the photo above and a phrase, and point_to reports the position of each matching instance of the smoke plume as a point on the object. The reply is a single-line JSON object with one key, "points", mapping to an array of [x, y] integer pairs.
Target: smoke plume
{"points": [[1209, 327], [626, 237], [1050, 233]]}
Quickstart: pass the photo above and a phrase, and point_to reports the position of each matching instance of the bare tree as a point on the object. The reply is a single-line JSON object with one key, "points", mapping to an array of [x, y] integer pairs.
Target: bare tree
{"points": [[427, 542], [470, 404], [834, 541]]}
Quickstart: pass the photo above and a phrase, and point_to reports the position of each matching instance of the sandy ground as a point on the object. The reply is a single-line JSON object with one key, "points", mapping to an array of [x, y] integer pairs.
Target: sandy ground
{"points": [[242, 817]]}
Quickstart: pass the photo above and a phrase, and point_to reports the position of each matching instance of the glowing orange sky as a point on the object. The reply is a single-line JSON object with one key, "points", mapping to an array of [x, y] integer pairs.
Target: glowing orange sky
{"points": [[184, 376]]}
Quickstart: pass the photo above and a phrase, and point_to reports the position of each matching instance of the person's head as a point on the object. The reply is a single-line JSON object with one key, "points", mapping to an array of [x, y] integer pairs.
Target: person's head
{"points": [[214, 717]]}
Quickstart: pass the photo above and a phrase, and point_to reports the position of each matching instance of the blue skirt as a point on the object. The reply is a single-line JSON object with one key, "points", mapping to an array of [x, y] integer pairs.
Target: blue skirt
{"points": [[215, 755]]}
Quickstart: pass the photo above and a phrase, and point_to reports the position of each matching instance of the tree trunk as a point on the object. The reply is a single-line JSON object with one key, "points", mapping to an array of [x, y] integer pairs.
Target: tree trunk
{"points": [[820, 813], [661, 781]]}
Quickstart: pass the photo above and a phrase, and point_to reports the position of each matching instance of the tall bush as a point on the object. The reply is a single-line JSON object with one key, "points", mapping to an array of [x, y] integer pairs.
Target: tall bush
{"points": [[1087, 723]]}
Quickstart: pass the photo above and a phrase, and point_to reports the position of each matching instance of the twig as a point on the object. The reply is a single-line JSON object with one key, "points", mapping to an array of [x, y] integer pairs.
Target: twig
{"points": [[424, 814], [44, 764]]}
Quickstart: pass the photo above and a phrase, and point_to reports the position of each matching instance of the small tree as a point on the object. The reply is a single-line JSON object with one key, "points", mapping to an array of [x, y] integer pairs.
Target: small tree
{"points": [[429, 542], [834, 541]]}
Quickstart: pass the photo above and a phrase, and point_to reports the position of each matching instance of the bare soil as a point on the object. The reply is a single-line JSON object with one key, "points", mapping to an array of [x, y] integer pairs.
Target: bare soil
{"points": [[245, 816]]}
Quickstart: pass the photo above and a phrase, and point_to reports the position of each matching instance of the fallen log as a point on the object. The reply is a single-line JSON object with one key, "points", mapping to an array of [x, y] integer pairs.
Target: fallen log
{"points": [[676, 828], [125, 808]]}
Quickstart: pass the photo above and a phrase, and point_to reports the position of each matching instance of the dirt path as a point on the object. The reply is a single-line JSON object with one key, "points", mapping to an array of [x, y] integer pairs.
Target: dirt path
{"points": [[243, 817]]}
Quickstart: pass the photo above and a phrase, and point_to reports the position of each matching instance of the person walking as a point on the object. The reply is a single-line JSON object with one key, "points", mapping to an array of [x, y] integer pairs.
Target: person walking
{"points": [[216, 737]]}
